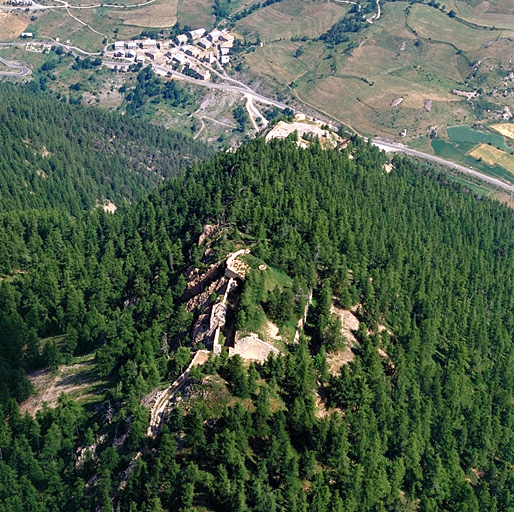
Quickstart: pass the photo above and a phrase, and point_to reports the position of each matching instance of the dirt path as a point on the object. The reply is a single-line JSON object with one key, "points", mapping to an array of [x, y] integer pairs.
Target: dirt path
{"points": [[156, 414]]}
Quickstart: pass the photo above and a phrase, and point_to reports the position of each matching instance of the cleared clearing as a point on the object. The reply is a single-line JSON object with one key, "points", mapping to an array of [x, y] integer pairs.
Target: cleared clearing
{"points": [[491, 156], [78, 381]]}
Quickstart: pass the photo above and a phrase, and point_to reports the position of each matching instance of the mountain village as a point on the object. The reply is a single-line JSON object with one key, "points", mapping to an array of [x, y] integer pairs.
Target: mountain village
{"points": [[185, 53]]}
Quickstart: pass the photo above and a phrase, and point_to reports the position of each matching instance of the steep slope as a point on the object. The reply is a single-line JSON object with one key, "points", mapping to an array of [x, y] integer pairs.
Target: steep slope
{"points": [[427, 427], [67, 156]]}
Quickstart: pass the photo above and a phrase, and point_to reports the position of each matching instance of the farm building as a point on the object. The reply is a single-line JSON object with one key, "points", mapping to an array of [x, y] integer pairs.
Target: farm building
{"points": [[119, 45]]}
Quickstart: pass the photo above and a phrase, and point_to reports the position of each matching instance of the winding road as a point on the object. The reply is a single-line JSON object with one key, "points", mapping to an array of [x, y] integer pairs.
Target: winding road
{"points": [[251, 95], [23, 70]]}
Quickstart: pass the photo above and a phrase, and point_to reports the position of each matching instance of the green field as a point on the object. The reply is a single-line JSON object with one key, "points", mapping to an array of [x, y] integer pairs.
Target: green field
{"points": [[467, 134], [458, 152]]}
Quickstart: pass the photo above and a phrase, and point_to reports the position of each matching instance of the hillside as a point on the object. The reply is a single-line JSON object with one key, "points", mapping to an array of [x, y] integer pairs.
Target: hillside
{"points": [[67, 156], [421, 418]]}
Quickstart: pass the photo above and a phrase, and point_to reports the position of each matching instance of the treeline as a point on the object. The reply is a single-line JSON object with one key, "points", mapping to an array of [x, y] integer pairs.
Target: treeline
{"points": [[428, 425], [72, 157]]}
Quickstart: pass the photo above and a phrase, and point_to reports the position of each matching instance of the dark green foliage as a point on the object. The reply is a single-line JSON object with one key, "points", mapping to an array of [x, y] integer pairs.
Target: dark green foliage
{"points": [[57, 155], [429, 426]]}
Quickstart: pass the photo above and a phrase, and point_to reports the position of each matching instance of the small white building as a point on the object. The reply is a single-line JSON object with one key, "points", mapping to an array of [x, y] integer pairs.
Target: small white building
{"points": [[27, 34], [181, 39], [149, 44], [179, 58], [224, 51], [214, 36], [119, 45], [197, 34], [140, 58], [224, 59], [204, 43], [131, 45]]}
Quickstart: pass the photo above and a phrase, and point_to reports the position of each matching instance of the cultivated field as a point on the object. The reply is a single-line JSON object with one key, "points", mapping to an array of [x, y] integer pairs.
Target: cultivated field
{"points": [[160, 14], [291, 18], [196, 13], [493, 156], [12, 25], [491, 13], [506, 129], [431, 23]]}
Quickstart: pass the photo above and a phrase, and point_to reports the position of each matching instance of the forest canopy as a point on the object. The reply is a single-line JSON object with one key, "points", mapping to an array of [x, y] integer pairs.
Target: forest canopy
{"points": [[430, 427]]}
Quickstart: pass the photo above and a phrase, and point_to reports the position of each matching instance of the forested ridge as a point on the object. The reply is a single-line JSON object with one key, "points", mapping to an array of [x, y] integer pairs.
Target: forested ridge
{"points": [[73, 157], [429, 428]]}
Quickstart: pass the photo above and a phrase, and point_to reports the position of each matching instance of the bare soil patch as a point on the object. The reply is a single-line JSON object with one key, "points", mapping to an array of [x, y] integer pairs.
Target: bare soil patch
{"points": [[75, 380]]}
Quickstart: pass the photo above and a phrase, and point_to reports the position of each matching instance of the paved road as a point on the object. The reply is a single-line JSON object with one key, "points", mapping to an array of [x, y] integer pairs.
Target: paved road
{"points": [[22, 70], [390, 146]]}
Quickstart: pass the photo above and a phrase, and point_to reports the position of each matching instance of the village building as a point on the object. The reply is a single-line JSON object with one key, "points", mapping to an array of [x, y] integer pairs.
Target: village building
{"points": [[119, 45], [140, 58], [27, 34], [149, 44], [209, 57], [181, 39], [197, 34], [199, 73], [191, 50], [204, 43], [226, 44], [155, 55], [214, 36], [131, 54], [131, 45], [179, 58], [224, 51], [224, 59], [164, 45], [227, 37], [119, 53]]}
